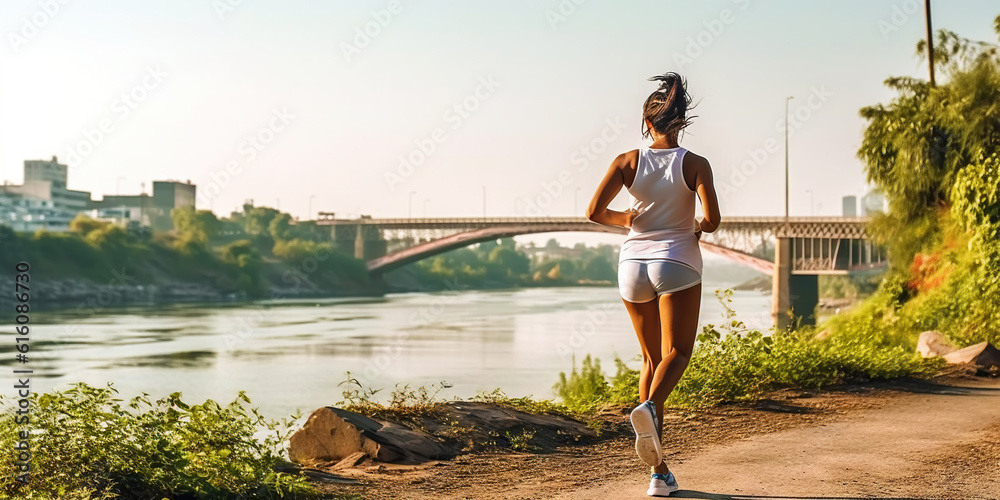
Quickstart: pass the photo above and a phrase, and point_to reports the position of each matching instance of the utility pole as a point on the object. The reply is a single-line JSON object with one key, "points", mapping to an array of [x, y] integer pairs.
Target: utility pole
{"points": [[930, 39]]}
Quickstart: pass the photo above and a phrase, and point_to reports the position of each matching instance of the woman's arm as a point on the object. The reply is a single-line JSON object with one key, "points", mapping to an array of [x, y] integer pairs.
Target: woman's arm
{"points": [[705, 186], [609, 187]]}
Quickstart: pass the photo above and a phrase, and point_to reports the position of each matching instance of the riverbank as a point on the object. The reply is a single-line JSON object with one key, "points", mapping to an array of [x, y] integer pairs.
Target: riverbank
{"points": [[88, 296], [906, 438]]}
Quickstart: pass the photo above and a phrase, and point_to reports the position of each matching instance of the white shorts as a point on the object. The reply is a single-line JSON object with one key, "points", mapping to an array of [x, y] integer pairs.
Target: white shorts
{"points": [[642, 280]]}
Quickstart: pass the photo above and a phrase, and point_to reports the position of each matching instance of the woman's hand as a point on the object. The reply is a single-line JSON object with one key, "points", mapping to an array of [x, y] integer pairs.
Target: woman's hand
{"points": [[629, 215]]}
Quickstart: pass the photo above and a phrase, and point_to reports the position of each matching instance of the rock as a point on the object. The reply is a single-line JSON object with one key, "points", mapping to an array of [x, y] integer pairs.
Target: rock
{"points": [[332, 435], [350, 461], [933, 343], [549, 431], [983, 355]]}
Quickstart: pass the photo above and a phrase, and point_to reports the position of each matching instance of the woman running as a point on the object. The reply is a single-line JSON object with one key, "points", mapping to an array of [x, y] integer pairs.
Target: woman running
{"points": [[659, 269]]}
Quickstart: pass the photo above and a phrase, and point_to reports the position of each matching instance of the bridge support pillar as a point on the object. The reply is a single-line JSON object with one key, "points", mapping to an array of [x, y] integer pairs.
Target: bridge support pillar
{"points": [[794, 297], [368, 243], [359, 244], [780, 303], [804, 297]]}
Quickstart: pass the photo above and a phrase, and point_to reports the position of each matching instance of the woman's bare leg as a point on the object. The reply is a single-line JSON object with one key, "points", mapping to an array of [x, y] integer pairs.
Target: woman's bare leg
{"points": [[679, 326], [646, 321]]}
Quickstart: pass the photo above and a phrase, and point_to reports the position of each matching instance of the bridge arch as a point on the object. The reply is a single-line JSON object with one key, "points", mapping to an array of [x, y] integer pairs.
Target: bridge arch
{"points": [[428, 249]]}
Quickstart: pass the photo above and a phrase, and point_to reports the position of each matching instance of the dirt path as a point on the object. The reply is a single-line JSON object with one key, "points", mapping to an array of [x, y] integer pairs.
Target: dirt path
{"points": [[942, 444], [914, 439]]}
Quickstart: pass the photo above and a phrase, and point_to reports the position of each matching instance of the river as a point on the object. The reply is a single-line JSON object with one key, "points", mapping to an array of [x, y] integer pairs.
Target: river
{"points": [[293, 354]]}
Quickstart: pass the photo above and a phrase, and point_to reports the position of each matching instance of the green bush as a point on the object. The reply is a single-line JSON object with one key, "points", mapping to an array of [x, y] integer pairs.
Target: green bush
{"points": [[85, 444], [734, 363]]}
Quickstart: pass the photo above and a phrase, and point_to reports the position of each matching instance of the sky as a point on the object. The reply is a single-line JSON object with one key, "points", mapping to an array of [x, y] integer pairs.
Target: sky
{"points": [[448, 108]]}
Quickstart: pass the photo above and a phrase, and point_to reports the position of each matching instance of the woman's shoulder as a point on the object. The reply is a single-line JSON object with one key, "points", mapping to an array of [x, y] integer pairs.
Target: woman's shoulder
{"points": [[628, 159], [695, 160]]}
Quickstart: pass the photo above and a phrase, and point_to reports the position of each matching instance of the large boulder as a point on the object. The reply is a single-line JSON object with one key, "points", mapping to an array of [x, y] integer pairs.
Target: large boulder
{"points": [[933, 344], [332, 434], [983, 356]]}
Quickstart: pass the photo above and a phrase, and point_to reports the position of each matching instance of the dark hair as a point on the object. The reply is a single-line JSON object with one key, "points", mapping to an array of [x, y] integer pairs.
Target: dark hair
{"points": [[666, 108]]}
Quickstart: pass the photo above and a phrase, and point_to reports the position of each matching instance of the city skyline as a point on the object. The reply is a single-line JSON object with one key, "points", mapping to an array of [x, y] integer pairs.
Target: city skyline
{"points": [[283, 106]]}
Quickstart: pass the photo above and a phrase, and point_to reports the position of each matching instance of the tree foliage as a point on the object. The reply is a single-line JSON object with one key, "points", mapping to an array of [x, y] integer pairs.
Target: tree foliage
{"points": [[914, 146], [934, 152], [197, 226]]}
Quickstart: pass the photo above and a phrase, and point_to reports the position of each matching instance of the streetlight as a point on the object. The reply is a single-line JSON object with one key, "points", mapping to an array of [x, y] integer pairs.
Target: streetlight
{"points": [[787, 99], [409, 205]]}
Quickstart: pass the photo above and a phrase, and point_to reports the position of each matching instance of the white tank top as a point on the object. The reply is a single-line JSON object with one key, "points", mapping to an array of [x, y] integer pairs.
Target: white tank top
{"points": [[665, 226]]}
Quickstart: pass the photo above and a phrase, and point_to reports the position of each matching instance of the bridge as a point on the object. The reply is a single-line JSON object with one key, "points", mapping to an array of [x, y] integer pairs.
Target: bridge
{"points": [[804, 247]]}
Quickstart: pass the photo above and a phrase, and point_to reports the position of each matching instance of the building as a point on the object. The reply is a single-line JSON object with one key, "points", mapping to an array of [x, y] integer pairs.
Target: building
{"points": [[151, 211], [850, 206], [46, 180], [43, 170], [43, 201], [29, 215]]}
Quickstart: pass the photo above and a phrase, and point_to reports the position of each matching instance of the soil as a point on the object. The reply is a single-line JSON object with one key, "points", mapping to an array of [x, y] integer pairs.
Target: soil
{"points": [[902, 439]]}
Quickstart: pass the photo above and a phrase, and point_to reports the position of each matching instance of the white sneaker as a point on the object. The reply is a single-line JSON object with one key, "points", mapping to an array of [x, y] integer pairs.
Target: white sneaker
{"points": [[647, 441], [662, 485]]}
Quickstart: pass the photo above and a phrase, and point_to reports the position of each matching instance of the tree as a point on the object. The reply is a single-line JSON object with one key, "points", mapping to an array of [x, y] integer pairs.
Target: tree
{"points": [[280, 227], [257, 220], [84, 225], [196, 226], [599, 268], [247, 259], [515, 263], [913, 147]]}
